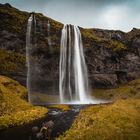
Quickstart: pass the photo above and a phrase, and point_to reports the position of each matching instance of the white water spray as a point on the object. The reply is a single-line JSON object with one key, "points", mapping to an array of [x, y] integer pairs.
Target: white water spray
{"points": [[49, 40], [28, 51], [73, 77]]}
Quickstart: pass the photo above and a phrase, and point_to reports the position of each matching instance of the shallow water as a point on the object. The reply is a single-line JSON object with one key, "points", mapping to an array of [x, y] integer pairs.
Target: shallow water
{"points": [[62, 122]]}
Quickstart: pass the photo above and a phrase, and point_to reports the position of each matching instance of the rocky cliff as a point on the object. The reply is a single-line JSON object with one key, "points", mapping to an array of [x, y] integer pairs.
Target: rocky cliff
{"points": [[113, 57]]}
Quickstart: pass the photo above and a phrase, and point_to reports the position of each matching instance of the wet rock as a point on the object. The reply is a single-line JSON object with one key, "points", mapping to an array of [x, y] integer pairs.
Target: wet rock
{"points": [[39, 136], [35, 129], [104, 80], [116, 37]]}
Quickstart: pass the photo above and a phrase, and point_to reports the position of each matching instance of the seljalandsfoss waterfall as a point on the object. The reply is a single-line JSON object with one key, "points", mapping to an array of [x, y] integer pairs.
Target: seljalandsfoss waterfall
{"points": [[28, 48], [73, 77], [30, 62], [51, 78]]}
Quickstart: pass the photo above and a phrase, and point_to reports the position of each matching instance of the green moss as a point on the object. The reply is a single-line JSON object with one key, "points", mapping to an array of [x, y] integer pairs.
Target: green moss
{"points": [[88, 34], [117, 46]]}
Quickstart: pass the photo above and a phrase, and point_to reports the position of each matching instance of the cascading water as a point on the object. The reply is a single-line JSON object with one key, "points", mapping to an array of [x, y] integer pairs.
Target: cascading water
{"points": [[31, 20], [73, 77], [49, 40]]}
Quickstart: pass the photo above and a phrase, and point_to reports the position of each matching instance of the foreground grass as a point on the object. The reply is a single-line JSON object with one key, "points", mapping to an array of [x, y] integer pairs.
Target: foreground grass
{"points": [[21, 117], [14, 109], [118, 121]]}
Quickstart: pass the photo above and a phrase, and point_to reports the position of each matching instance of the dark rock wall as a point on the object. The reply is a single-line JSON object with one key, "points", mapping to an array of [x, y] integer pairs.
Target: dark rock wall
{"points": [[113, 57]]}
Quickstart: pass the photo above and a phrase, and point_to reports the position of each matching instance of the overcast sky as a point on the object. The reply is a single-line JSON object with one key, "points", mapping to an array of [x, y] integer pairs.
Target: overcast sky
{"points": [[106, 14]]}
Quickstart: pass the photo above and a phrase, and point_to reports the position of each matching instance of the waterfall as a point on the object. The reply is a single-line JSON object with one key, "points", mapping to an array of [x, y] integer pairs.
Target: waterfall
{"points": [[49, 40], [73, 77], [30, 23], [49, 37]]}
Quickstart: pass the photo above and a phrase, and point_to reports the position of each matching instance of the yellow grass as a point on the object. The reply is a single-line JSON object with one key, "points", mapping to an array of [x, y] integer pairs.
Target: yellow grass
{"points": [[14, 109], [118, 121]]}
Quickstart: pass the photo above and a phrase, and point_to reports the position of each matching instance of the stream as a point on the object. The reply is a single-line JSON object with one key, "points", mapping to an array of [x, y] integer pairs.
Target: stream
{"points": [[62, 122]]}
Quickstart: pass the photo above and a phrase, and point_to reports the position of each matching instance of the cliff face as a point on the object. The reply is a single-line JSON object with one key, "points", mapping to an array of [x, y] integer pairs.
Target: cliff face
{"points": [[112, 57]]}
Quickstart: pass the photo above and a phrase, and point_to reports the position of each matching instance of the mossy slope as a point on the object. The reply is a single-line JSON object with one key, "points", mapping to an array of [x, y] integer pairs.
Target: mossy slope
{"points": [[118, 121], [14, 109]]}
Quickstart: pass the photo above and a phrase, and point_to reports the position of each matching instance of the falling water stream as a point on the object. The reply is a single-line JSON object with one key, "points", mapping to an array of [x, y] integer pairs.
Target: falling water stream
{"points": [[31, 22], [73, 77], [28, 46]]}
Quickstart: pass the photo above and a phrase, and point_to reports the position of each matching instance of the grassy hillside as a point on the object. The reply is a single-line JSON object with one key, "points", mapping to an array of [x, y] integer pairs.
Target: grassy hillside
{"points": [[91, 37], [14, 109], [117, 121], [13, 19]]}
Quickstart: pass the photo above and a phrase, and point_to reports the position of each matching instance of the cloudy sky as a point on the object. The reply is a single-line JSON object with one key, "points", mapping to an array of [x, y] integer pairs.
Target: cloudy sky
{"points": [[106, 14]]}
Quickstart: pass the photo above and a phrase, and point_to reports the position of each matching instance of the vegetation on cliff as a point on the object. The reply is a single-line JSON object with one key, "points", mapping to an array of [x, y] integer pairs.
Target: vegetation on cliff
{"points": [[129, 90], [12, 19], [11, 61], [14, 109], [91, 37]]}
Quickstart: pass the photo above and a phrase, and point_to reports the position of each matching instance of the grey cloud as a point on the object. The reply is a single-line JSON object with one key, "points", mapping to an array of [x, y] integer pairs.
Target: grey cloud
{"points": [[111, 14]]}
